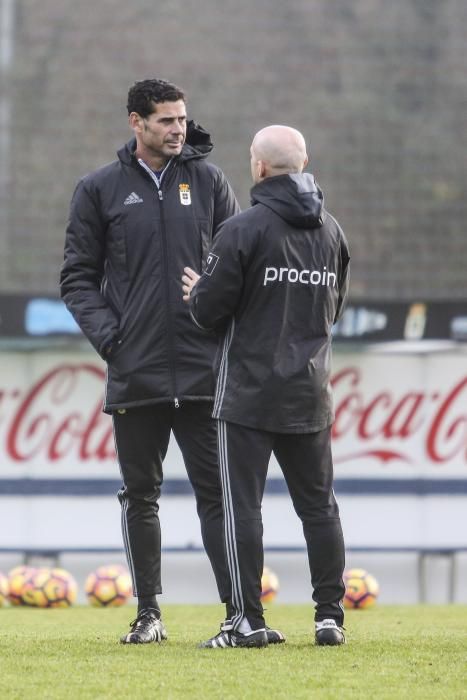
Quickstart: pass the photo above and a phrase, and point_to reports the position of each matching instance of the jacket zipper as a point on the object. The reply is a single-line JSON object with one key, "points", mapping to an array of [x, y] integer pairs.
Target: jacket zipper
{"points": [[170, 338], [165, 255]]}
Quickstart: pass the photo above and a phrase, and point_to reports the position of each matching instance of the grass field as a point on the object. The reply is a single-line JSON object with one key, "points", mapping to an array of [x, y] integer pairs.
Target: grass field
{"points": [[392, 652]]}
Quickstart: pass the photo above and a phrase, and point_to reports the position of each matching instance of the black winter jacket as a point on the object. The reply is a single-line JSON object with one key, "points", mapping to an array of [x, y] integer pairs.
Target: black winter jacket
{"points": [[278, 274], [127, 243]]}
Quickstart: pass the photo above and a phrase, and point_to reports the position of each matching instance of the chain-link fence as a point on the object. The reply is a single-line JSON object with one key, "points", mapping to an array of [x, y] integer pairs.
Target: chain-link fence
{"points": [[379, 90]]}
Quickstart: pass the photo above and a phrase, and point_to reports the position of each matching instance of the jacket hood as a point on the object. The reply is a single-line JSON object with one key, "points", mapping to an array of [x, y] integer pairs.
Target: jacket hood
{"points": [[197, 144], [296, 198]]}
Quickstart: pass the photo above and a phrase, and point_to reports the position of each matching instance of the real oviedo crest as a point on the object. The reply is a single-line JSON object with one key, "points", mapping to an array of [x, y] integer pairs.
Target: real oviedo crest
{"points": [[185, 194]]}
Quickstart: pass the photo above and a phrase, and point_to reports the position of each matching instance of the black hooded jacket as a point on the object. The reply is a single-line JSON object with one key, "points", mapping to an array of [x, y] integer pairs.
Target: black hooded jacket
{"points": [[275, 282], [127, 243]]}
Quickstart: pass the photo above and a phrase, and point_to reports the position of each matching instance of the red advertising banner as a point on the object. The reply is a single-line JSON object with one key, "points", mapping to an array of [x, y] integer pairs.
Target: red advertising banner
{"points": [[397, 415]]}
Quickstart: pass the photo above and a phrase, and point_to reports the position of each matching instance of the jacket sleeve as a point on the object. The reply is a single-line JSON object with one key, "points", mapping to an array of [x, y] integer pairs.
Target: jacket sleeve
{"points": [[217, 293], [83, 271], [225, 202], [343, 277]]}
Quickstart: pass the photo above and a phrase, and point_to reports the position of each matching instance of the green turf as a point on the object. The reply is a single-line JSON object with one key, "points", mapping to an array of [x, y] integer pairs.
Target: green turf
{"points": [[392, 652]]}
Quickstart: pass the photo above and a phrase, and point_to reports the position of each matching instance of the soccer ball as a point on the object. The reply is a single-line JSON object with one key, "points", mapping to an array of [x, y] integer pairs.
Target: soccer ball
{"points": [[361, 589], [50, 588], [17, 579], [4, 588], [269, 585], [108, 586]]}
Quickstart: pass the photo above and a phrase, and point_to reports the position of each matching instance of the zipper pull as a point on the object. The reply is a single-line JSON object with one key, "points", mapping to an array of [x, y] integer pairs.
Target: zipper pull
{"points": [[160, 195], [177, 405]]}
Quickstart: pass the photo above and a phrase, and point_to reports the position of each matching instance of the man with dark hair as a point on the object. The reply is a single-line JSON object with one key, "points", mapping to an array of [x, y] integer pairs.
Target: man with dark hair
{"points": [[277, 279], [145, 94], [133, 225]]}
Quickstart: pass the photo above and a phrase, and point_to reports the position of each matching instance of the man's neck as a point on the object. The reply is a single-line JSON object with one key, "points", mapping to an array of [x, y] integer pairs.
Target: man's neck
{"points": [[155, 163]]}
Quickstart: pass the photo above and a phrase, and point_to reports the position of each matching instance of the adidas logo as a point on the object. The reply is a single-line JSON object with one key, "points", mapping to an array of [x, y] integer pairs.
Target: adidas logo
{"points": [[132, 198]]}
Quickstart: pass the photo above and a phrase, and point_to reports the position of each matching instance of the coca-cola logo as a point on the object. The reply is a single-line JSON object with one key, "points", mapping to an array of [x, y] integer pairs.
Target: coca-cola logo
{"points": [[48, 421], [59, 419], [386, 423]]}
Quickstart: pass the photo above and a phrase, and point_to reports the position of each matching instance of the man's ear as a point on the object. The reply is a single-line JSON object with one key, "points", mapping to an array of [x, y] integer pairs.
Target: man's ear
{"points": [[135, 121], [262, 169]]}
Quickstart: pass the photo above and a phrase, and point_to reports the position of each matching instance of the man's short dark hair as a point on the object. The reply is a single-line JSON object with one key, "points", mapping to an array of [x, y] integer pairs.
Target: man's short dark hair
{"points": [[145, 93]]}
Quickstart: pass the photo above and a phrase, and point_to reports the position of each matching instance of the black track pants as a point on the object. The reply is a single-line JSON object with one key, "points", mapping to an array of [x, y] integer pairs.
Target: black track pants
{"points": [[306, 462], [142, 438]]}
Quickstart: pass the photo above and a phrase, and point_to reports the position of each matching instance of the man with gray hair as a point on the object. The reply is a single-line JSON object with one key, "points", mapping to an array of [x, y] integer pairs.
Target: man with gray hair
{"points": [[275, 281]]}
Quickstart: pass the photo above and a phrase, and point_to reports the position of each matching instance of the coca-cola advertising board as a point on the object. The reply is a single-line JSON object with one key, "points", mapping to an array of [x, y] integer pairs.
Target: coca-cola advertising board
{"points": [[401, 414], [397, 415], [400, 452]]}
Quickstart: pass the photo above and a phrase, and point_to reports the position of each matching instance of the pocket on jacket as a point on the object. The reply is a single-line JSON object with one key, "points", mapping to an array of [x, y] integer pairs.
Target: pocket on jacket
{"points": [[206, 240], [119, 360], [117, 251]]}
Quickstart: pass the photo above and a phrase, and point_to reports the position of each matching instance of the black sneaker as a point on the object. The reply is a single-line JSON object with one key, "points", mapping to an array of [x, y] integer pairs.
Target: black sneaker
{"points": [[227, 637], [328, 633], [146, 628], [221, 640], [275, 636], [255, 638]]}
